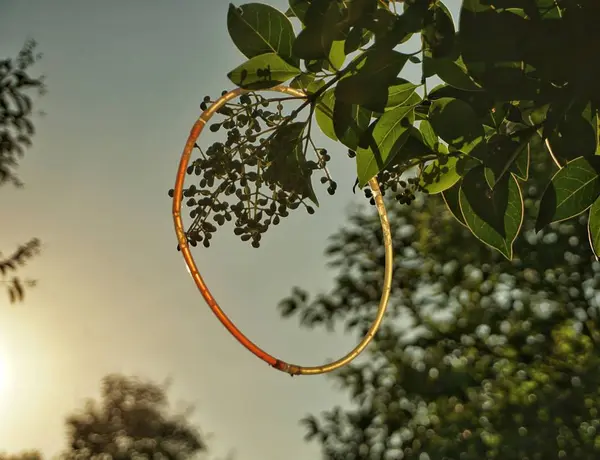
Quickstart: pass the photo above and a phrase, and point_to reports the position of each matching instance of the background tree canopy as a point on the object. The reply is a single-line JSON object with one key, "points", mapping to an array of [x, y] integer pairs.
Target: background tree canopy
{"points": [[132, 419], [28, 455], [479, 356], [519, 77]]}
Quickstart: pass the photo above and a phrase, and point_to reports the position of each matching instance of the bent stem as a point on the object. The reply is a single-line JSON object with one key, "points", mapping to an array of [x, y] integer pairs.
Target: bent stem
{"points": [[192, 268]]}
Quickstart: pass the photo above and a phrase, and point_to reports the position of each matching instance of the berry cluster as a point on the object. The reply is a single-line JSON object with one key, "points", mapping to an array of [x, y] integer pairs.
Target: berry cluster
{"points": [[257, 175], [391, 179]]}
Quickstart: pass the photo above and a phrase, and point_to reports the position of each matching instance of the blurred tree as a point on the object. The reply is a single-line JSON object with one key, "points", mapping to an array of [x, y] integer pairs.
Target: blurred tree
{"points": [[131, 421], [16, 132], [479, 357], [26, 455]]}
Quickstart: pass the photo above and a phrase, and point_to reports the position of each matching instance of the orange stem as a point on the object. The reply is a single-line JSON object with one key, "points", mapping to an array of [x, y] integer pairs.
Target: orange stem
{"points": [[283, 366]]}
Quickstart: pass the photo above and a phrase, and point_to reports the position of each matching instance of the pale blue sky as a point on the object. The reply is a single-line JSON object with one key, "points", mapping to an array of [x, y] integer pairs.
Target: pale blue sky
{"points": [[125, 81]]}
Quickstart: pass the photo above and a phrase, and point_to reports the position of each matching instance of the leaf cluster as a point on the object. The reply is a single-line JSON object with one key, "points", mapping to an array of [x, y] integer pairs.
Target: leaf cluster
{"points": [[16, 109], [517, 76]]}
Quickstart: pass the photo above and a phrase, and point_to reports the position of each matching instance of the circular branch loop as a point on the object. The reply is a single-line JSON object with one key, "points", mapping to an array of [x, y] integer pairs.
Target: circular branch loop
{"points": [[283, 366]]}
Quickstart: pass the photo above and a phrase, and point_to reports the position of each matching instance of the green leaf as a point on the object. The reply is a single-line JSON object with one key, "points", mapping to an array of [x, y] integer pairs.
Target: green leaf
{"points": [[465, 163], [555, 113], [357, 10], [399, 93], [475, 6], [536, 146], [389, 134], [350, 122], [450, 71], [575, 135], [323, 13], [309, 45], [316, 39], [439, 33], [490, 36], [302, 81], [490, 177], [324, 113], [443, 180], [315, 86], [508, 154], [287, 164], [409, 22], [429, 136], [316, 66], [456, 123], [520, 168], [480, 102], [533, 114], [312, 45], [299, 8], [261, 72], [357, 37], [572, 190], [258, 29], [502, 50], [493, 121], [414, 100], [451, 198], [341, 122], [594, 228], [493, 216], [414, 147], [381, 23], [368, 85], [337, 56]]}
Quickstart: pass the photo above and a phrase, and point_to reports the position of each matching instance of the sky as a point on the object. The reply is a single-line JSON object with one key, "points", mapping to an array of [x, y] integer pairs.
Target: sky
{"points": [[125, 80]]}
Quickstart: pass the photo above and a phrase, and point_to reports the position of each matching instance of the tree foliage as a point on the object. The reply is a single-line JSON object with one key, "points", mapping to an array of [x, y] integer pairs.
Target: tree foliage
{"points": [[16, 109], [519, 77], [479, 357], [16, 132], [131, 420], [12, 263]]}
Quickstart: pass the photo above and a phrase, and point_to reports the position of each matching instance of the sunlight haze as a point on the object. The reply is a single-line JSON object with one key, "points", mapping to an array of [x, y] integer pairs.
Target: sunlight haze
{"points": [[125, 80]]}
